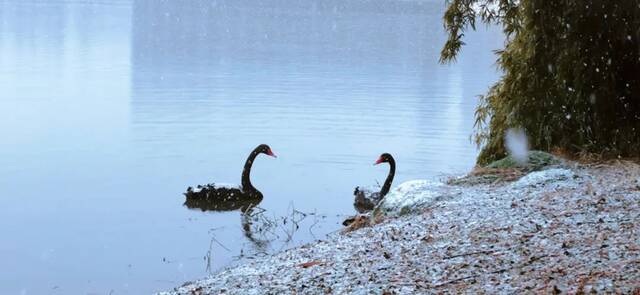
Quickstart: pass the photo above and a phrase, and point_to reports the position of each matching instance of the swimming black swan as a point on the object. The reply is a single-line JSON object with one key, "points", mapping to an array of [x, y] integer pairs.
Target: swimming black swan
{"points": [[366, 200], [222, 198]]}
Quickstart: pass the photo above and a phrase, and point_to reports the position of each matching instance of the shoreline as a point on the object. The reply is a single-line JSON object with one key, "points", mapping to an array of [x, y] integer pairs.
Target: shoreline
{"points": [[570, 229]]}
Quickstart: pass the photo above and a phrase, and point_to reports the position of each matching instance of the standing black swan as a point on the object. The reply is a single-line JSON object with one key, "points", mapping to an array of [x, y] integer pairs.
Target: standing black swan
{"points": [[222, 198], [366, 200]]}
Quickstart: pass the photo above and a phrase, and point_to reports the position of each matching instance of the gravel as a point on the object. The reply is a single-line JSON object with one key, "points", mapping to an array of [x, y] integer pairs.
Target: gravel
{"points": [[552, 231]]}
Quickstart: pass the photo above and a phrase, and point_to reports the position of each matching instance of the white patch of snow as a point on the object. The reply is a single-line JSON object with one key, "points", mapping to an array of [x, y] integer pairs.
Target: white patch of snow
{"points": [[412, 193], [227, 185], [542, 177]]}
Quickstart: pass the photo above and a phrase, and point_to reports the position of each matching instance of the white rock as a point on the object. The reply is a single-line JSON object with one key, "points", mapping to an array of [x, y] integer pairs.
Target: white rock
{"points": [[544, 176], [411, 194]]}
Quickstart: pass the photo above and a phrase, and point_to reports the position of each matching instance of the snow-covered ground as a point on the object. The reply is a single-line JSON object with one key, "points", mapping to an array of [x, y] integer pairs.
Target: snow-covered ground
{"points": [[557, 230]]}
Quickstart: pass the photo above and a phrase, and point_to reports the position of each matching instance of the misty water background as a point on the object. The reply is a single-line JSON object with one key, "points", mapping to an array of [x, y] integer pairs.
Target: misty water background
{"points": [[110, 109]]}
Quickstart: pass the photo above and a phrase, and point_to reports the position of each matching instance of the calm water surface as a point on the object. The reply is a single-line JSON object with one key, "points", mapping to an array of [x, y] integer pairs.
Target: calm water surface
{"points": [[109, 109]]}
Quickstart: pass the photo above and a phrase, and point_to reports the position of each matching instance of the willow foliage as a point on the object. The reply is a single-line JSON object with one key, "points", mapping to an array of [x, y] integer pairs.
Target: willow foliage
{"points": [[571, 73]]}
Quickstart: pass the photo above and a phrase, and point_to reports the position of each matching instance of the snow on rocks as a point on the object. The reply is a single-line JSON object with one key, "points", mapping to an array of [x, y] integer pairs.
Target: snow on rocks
{"points": [[414, 194], [544, 176], [562, 232]]}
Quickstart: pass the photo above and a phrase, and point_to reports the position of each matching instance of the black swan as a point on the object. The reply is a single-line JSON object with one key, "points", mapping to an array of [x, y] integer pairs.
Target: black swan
{"points": [[366, 200], [211, 197]]}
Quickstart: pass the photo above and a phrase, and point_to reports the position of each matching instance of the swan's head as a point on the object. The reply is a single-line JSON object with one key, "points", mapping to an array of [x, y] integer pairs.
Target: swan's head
{"points": [[265, 149], [384, 158]]}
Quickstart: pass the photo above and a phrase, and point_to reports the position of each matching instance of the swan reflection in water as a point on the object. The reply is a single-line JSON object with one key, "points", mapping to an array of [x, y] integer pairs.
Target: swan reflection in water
{"points": [[258, 227], [247, 207], [223, 205]]}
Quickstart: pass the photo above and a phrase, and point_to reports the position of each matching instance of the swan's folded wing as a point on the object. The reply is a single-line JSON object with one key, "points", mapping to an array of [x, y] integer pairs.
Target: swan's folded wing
{"points": [[365, 199], [211, 186], [364, 191]]}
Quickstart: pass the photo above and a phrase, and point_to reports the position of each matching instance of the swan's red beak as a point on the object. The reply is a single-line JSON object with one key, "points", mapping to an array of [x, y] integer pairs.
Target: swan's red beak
{"points": [[270, 153], [380, 160]]}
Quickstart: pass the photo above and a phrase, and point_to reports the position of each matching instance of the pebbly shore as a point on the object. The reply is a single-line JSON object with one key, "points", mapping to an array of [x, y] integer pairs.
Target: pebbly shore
{"points": [[570, 229]]}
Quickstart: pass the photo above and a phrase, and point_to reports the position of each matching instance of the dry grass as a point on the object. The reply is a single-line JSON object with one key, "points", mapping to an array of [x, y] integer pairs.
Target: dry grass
{"points": [[355, 223], [590, 158]]}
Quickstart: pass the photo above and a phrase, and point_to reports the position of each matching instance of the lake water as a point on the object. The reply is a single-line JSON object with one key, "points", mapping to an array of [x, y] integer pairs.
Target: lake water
{"points": [[110, 109]]}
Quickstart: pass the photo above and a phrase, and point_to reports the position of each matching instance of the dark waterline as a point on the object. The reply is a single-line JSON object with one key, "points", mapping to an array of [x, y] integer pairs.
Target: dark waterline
{"points": [[109, 109]]}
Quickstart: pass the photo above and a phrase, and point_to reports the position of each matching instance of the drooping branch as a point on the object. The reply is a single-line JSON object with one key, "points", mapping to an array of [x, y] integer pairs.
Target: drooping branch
{"points": [[463, 14]]}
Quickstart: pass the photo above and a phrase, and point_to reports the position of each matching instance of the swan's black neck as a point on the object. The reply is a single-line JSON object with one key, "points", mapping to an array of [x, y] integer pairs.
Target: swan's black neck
{"points": [[246, 182], [387, 183]]}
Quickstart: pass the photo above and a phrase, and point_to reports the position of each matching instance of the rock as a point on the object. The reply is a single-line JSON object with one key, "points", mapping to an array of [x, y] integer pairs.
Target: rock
{"points": [[543, 177], [536, 160], [412, 195]]}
